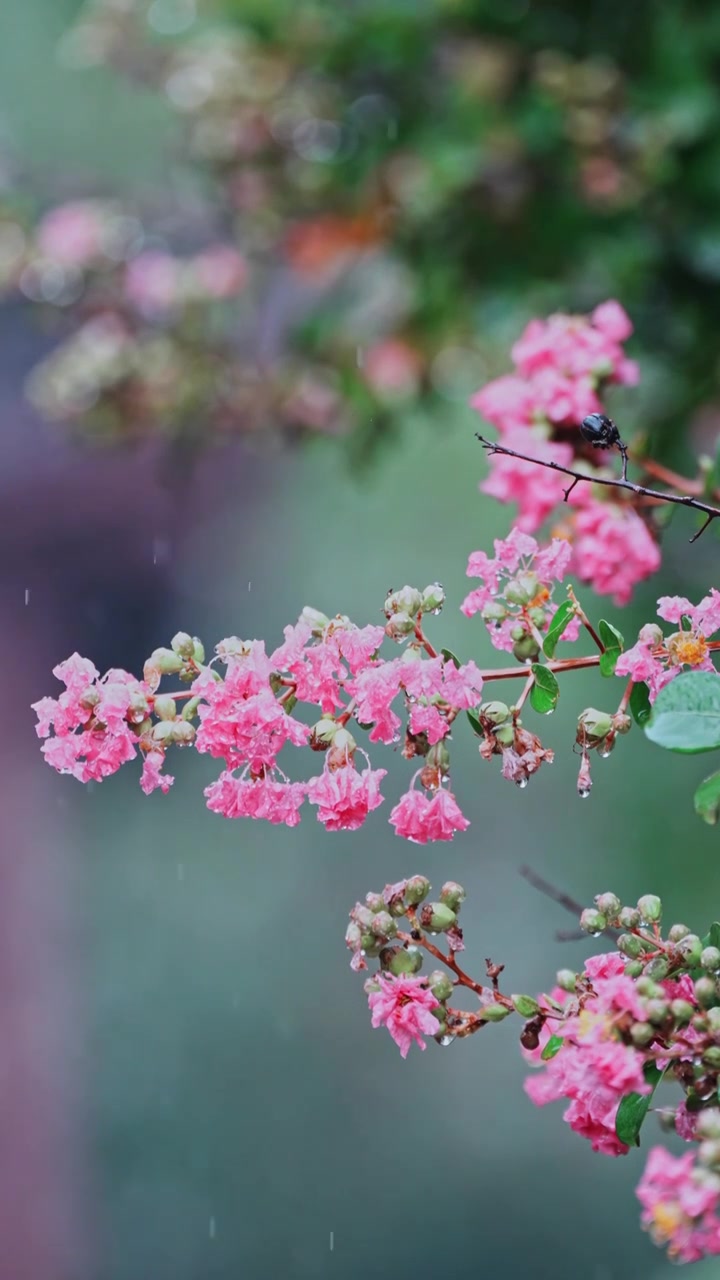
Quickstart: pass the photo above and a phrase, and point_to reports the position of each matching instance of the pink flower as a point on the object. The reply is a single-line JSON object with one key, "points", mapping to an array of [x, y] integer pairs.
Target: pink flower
{"points": [[420, 819], [72, 234], [427, 720], [686, 1123], [392, 368], [374, 689], [680, 1205], [152, 778], [90, 718], [613, 549], [705, 616], [404, 1006], [345, 797], [612, 320], [508, 403], [219, 271], [268, 798], [245, 730], [152, 283], [536, 490]]}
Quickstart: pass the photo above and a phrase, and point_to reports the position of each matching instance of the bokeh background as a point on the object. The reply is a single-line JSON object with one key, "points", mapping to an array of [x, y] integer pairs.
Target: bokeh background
{"points": [[190, 1088]]}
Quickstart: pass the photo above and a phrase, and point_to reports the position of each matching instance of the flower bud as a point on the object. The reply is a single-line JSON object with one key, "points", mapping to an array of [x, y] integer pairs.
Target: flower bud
{"points": [[677, 932], [650, 634], [609, 904], [165, 707], [495, 712], [362, 915], [162, 732], [375, 902], [630, 946], [690, 948], [198, 653], [438, 757], [90, 698], [323, 733], [493, 1012], [711, 1056], [406, 601], [712, 1018], [353, 936], [526, 649], [370, 985], [641, 1034], [592, 921], [648, 989], [596, 724], [416, 890], [399, 625], [436, 917], [382, 925], [441, 985], [650, 907], [183, 733], [629, 918], [621, 723], [505, 735], [521, 589], [433, 598], [315, 620], [344, 742], [163, 661], [710, 959], [537, 616], [566, 979], [633, 969], [709, 1154], [404, 960], [493, 611], [708, 1123], [189, 711], [453, 895], [657, 1011], [682, 1011], [526, 1006], [657, 968], [705, 993], [183, 644]]}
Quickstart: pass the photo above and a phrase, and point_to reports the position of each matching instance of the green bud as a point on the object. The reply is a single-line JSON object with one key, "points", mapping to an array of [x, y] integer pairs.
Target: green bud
{"points": [[597, 724], [198, 652], [363, 915], [183, 733], [314, 619], [677, 932], [323, 732], [518, 632], [495, 712], [648, 989], [433, 598], [189, 711], [641, 1033], [705, 993], [343, 740], [493, 611], [375, 902], [453, 895], [416, 890], [405, 960], [592, 921], [440, 985], [537, 616], [383, 925], [708, 1123], [183, 644], [629, 918], [165, 707], [370, 985], [629, 945], [353, 936], [522, 589], [709, 1152], [525, 1006], [399, 625], [493, 1012], [656, 1011], [407, 601], [505, 735], [633, 969], [710, 959], [650, 907], [609, 904], [682, 1011], [566, 979], [438, 757], [436, 917], [526, 649], [690, 948], [163, 733], [712, 1018], [711, 1056], [657, 968], [164, 661]]}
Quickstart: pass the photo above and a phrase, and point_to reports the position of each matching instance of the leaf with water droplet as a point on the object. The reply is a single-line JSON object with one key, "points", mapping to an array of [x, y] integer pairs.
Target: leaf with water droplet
{"points": [[560, 620], [614, 642], [686, 714], [640, 707], [635, 1106], [553, 1046], [545, 691], [707, 799]]}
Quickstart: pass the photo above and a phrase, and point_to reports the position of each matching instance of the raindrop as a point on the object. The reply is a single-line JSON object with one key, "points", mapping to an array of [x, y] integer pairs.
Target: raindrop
{"points": [[332, 1241], [445, 1040], [212, 1230], [249, 585], [27, 595], [160, 550], [596, 933], [584, 792], [604, 753], [521, 783]]}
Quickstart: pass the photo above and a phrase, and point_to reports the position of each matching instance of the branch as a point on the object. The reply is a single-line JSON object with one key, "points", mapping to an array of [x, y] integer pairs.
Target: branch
{"points": [[564, 900], [677, 499]]}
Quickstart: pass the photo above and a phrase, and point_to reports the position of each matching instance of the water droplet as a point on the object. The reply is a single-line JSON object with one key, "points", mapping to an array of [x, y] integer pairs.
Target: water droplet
{"points": [[584, 792], [604, 753], [521, 783], [596, 933], [27, 595], [445, 1040], [212, 1229]]}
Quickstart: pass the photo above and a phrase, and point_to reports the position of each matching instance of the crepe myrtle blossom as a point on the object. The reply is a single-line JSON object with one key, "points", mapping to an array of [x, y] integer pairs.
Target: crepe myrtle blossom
{"points": [[656, 658]]}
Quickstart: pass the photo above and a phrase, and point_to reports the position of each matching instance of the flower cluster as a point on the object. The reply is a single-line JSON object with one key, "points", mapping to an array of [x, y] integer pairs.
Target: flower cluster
{"points": [[563, 366], [602, 1040], [656, 658]]}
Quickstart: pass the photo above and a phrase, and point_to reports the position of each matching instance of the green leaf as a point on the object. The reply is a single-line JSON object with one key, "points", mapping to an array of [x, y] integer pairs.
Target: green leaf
{"points": [[565, 612], [712, 938], [449, 656], [475, 722], [640, 707], [545, 691], [686, 714], [613, 641], [553, 1046], [707, 799], [634, 1108]]}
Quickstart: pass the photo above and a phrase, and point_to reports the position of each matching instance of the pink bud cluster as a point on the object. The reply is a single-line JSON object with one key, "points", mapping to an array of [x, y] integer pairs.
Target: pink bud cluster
{"points": [[563, 365]]}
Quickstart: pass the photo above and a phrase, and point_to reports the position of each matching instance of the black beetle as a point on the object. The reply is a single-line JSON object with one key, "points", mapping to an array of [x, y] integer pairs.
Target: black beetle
{"points": [[600, 431]]}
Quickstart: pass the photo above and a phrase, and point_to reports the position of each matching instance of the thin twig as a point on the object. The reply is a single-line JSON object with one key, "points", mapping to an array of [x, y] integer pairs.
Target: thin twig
{"points": [[564, 900], [676, 499]]}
